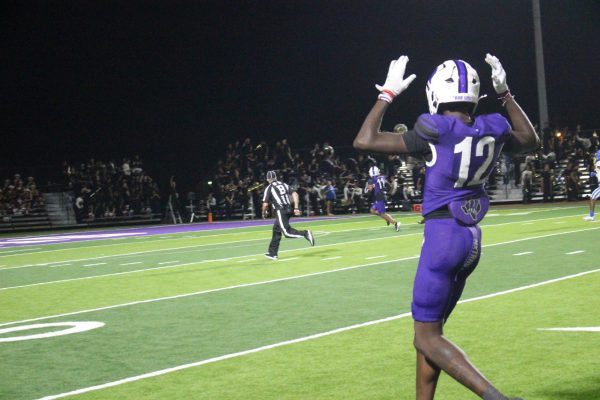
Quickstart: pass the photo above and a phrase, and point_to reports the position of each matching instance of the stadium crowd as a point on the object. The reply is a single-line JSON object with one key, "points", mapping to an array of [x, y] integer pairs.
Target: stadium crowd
{"points": [[318, 174], [109, 189], [329, 180], [565, 164], [18, 197]]}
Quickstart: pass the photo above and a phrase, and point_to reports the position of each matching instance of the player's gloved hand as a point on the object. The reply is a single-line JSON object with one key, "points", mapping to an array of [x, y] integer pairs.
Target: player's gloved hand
{"points": [[265, 214], [395, 82], [498, 74], [297, 212]]}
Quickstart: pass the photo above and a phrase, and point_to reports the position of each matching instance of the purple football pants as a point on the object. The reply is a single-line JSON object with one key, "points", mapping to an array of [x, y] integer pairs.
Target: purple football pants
{"points": [[378, 206], [449, 254]]}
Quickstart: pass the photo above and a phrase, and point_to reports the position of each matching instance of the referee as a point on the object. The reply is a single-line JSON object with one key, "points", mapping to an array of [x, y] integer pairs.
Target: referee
{"points": [[278, 195]]}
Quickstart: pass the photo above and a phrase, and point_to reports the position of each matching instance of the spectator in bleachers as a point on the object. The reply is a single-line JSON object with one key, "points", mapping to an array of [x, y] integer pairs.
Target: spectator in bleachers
{"points": [[527, 183], [329, 191], [351, 193], [230, 200], [595, 142], [548, 183], [572, 182]]}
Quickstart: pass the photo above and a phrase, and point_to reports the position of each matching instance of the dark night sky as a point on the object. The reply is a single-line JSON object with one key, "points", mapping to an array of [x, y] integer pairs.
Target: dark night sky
{"points": [[175, 81]]}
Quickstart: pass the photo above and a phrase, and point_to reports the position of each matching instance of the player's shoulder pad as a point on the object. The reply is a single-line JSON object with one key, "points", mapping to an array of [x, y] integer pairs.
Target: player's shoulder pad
{"points": [[428, 127], [499, 121]]}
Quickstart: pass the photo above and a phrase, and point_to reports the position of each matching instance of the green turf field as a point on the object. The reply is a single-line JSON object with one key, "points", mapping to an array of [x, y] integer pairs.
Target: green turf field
{"points": [[205, 316]]}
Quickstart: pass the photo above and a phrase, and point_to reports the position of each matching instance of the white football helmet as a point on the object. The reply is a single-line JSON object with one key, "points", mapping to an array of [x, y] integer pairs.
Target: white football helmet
{"points": [[452, 81], [373, 171]]}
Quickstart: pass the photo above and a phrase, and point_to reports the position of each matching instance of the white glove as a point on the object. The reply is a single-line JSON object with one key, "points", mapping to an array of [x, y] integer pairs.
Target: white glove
{"points": [[395, 82], [498, 74]]}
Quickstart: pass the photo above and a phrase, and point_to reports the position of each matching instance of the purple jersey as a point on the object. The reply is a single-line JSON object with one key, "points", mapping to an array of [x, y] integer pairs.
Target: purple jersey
{"points": [[378, 183], [462, 156]]}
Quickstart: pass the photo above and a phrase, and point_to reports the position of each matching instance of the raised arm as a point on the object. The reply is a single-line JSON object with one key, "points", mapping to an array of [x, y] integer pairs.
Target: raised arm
{"points": [[369, 137], [524, 138]]}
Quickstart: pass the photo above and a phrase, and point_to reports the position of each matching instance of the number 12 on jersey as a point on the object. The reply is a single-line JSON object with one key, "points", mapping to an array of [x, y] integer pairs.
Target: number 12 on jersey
{"points": [[469, 162]]}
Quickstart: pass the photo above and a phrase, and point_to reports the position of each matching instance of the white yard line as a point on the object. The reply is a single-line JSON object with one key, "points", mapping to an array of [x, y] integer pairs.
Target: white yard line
{"points": [[135, 253], [284, 251], [243, 285], [168, 262], [331, 258], [374, 257], [293, 341], [18, 250], [575, 252], [218, 244], [288, 259], [523, 253], [93, 265]]}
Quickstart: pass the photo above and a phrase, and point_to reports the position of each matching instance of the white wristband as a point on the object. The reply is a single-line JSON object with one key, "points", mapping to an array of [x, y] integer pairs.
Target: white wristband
{"points": [[386, 95]]}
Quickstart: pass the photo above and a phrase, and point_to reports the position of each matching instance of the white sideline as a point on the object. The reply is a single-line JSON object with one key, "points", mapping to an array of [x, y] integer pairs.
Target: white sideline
{"points": [[293, 341], [5, 253], [208, 244]]}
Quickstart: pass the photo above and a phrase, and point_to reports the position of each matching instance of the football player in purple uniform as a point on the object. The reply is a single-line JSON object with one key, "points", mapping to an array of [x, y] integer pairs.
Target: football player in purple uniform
{"points": [[460, 150], [376, 184]]}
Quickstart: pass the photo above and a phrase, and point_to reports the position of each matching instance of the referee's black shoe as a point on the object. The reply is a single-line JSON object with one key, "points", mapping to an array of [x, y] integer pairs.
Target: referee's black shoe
{"points": [[310, 238]]}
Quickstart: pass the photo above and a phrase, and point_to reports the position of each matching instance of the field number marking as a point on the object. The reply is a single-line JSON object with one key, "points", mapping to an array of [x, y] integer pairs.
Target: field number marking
{"points": [[75, 327]]}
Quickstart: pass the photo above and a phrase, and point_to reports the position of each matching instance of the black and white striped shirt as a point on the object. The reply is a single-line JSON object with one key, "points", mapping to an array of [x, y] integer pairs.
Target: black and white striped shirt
{"points": [[278, 195]]}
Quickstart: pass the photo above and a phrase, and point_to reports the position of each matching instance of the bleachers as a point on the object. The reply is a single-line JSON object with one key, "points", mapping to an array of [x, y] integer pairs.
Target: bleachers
{"points": [[35, 220]]}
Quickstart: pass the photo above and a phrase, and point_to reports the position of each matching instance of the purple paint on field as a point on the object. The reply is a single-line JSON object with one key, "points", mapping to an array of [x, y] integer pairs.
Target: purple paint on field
{"points": [[121, 233]]}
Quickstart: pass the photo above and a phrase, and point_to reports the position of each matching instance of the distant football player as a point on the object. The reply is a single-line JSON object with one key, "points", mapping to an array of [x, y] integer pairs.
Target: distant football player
{"points": [[460, 150], [277, 194], [596, 192], [376, 184]]}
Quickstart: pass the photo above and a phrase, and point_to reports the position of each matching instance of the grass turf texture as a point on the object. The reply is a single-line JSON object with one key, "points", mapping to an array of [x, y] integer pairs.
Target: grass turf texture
{"points": [[376, 361]]}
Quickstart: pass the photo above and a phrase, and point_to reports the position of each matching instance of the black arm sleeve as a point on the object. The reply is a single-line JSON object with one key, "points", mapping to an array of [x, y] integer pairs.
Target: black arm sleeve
{"points": [[416, 144]]}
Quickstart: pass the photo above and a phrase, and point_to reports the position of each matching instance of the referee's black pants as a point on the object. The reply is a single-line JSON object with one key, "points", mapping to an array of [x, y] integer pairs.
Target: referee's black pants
{"points": [[282, 227]]}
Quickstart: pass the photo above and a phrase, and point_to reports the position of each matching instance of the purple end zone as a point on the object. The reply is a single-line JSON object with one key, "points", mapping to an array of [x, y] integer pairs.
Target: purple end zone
{"points": [[120, 233]]}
